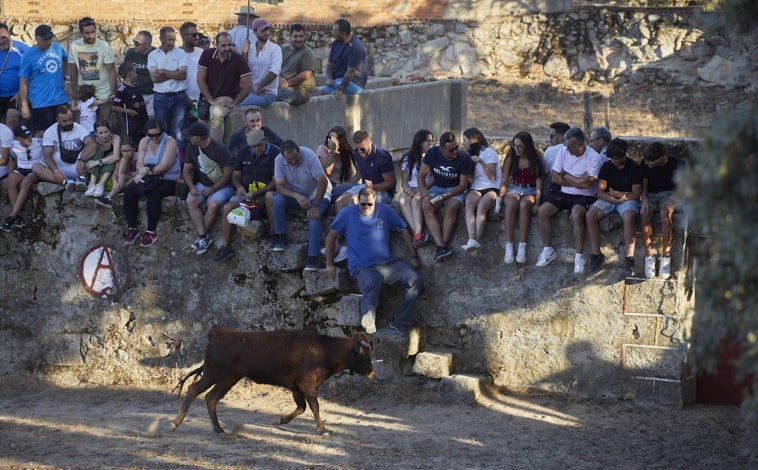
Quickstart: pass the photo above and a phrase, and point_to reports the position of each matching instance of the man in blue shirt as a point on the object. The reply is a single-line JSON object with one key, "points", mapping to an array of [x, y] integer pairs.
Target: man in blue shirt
{"points": [[366, 228], [10, 61], [41, 78], [347, 68]]}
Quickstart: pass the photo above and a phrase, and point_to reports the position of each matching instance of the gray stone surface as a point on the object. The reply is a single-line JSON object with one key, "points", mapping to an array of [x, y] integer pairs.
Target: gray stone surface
{"points": [[461, 388], [433, 364], [350, 310]]}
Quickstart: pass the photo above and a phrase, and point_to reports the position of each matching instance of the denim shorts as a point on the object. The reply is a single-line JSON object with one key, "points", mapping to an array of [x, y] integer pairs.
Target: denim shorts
{"points": [[435, 191], [609, 208], [522, 190], [221, 196], [663, 198]]}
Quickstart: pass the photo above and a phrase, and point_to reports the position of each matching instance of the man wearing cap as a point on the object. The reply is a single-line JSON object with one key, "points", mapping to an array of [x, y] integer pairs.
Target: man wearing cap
{"points": [[297, 79], [66, 145], [241, 33], [265, 61], [347, 68], [92, 62], [253, 120], [26, 152], [224, 79], [168, 70], [41, 78], [207, 172], [10, 60], [252, 178], [137, 55]]}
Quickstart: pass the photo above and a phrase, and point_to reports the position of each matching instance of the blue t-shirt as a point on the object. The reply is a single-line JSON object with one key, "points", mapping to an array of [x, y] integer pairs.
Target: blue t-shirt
{"points": [[367, 238], [447, 173], [352, 54], [44, 73], [376, 164], [9, 77]]}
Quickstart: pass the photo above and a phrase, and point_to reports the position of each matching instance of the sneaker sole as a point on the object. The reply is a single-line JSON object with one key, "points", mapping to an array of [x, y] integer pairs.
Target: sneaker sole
{"points": [[368, 322], [442, 257]]}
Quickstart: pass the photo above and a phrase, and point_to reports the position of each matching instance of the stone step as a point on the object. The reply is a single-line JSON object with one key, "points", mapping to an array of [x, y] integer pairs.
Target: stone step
{"points": [[319, 282], [461, 388], [291, 259], [394, 356], [434, 364]]}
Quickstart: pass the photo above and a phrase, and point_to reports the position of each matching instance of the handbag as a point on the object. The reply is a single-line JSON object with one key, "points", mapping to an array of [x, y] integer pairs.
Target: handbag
{"points": [[67, 156], [203, 105]]}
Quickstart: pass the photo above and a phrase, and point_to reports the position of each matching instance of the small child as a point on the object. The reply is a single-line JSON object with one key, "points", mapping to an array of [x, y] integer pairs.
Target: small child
{"points": [[130, 103], [87, 106], [125, 170]]}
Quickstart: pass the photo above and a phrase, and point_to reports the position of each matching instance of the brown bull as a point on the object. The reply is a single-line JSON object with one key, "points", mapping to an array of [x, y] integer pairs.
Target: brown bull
{"points": [[294, 359]]}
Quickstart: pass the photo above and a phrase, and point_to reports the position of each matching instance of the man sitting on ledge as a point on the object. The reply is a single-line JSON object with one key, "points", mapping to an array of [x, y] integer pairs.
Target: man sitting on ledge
{"points": [[347, 68]]}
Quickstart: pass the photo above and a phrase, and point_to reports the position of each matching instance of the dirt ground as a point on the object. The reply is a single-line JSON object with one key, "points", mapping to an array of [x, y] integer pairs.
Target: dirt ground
{"points": [[370, 424]]}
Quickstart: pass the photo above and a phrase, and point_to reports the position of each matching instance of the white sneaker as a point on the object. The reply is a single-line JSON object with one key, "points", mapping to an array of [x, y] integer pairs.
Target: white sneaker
{"points": [[341, 254], [369, 322], [665, 269], [650, 267], [471, 245], [90, 190], [578, 263], [546, 257], [99, 190], [521, 255], [508, 258]]}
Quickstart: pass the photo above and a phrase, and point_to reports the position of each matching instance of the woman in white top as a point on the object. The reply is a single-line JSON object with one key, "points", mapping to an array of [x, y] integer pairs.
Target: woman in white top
{"points": [[409, 198], [484, 187]]}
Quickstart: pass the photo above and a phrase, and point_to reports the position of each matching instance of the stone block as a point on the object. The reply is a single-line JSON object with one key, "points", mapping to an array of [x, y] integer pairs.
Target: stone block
{"points": [[46, 189], [291, 259], [319, 282], [461, 388], [350, 310], [433, 364], [255, 230], [653, 361], [391, 354]]}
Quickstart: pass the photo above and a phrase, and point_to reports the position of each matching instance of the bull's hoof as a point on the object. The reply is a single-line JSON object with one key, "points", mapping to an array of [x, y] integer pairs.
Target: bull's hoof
{"points": [[175, 424], [219, 430]]}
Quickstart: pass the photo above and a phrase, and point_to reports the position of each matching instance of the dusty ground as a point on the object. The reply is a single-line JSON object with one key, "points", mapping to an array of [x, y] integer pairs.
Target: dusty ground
{"points": [[371, 425]]}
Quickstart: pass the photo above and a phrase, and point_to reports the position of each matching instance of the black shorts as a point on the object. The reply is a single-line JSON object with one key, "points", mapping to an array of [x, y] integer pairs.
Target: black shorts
{"points": [[42, 118], [565, 201], [5, 105], [486, 190], [23, 171]]}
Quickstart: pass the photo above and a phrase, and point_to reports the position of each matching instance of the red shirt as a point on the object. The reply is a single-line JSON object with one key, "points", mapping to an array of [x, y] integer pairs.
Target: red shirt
{"points": [[236, 68]]}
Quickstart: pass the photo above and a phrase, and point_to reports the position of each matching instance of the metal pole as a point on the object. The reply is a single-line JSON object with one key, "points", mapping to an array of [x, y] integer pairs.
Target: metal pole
{"points": [[247, 23]]}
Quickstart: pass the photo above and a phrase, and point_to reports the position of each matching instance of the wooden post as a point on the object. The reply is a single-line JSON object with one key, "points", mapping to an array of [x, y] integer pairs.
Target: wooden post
{"points": [[587, 114]]}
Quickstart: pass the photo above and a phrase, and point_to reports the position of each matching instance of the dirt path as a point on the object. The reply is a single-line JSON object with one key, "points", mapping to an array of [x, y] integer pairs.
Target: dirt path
{"points": [[371, 425]]}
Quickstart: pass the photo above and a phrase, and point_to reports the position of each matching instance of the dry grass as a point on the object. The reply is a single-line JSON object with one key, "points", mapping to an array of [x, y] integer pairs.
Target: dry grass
{"points": [[502, 108]]}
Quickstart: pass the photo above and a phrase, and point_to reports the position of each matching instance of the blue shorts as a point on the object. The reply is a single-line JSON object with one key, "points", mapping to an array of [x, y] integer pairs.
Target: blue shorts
{"points": [[522, 190], [609, 208], [435, 191], [221, 196]]}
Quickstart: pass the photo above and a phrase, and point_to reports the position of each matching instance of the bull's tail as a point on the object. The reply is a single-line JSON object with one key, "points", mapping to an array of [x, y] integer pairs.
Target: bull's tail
{"points": [[197, 372]]}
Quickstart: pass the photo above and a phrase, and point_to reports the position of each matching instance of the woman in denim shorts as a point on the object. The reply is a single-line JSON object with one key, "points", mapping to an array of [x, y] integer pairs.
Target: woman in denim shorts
{"points": [[521, 190], [619, 186]]}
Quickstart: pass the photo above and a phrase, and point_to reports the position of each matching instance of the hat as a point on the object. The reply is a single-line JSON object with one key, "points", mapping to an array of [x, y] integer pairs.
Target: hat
{"points": [[197, 129], [259, 23], [44, 31], [22, 130], [255, 136], [246, 10]]}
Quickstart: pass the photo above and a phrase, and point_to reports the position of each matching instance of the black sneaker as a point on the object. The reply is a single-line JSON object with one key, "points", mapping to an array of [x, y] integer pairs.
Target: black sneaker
{"points": [[311, 264], [442, 253], [596, 262], [18, 223], [629, 266], [225, 252], [81, 184], [104, 201], [7, 224], [281, 243], [272, 237]]}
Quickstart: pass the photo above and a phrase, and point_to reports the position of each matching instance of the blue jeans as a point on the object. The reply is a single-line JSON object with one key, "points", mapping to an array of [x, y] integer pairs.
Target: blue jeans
{"points": [[282, 203], [370, 280], [170, 111], [351, 89], [254, 99]]}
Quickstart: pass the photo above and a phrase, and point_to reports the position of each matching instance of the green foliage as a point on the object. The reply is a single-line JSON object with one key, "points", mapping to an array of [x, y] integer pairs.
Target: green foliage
{"points": [[721, 188]]}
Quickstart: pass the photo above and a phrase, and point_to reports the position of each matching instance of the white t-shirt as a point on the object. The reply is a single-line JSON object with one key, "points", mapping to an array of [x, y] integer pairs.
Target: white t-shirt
{"points": [[72, 140], [6, 142], [193, 91], [24, 159], [480, 181], [590, 163], [174, 59], [549, 156], [87, 115]]}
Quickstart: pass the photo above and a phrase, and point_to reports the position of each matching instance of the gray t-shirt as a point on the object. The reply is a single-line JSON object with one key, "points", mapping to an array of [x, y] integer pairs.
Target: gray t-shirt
{"points": [[301, 178]]}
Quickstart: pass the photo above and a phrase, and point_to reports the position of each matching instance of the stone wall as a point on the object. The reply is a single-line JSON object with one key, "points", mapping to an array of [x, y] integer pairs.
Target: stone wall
{"points": [[521, 327], [492, 39]]}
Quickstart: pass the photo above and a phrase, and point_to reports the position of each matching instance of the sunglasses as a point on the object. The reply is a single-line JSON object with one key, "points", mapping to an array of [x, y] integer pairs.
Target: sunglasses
{"points": [[28, 154], [363, 150], [153, 135], [367, 204], [453, 150]]}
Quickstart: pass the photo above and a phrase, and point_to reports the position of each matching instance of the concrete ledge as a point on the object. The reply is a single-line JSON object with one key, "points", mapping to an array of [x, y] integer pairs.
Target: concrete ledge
{"points": [[434, 364], [437, 106]]}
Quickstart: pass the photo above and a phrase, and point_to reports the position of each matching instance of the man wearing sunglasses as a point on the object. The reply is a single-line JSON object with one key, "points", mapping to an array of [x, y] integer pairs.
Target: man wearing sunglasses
{"points": [[372, 264], [137, 56]]}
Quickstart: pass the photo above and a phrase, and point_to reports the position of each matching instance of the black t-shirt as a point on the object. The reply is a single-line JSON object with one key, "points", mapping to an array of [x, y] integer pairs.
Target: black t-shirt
{"points": [[661, 178], [219, 158], [621, 179]]}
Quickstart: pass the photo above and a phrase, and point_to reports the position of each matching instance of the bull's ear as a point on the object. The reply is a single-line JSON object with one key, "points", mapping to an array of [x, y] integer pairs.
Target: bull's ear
{"points": [[363, 348]]}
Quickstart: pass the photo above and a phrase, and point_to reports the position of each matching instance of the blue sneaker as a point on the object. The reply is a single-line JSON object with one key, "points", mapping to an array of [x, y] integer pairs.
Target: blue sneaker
{"points": [[281, 242], [204, 243], [311, 264]]}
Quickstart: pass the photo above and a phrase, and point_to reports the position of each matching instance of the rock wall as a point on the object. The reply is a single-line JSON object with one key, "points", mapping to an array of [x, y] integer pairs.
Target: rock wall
{"points": [[585, 44], [518, 326]]}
